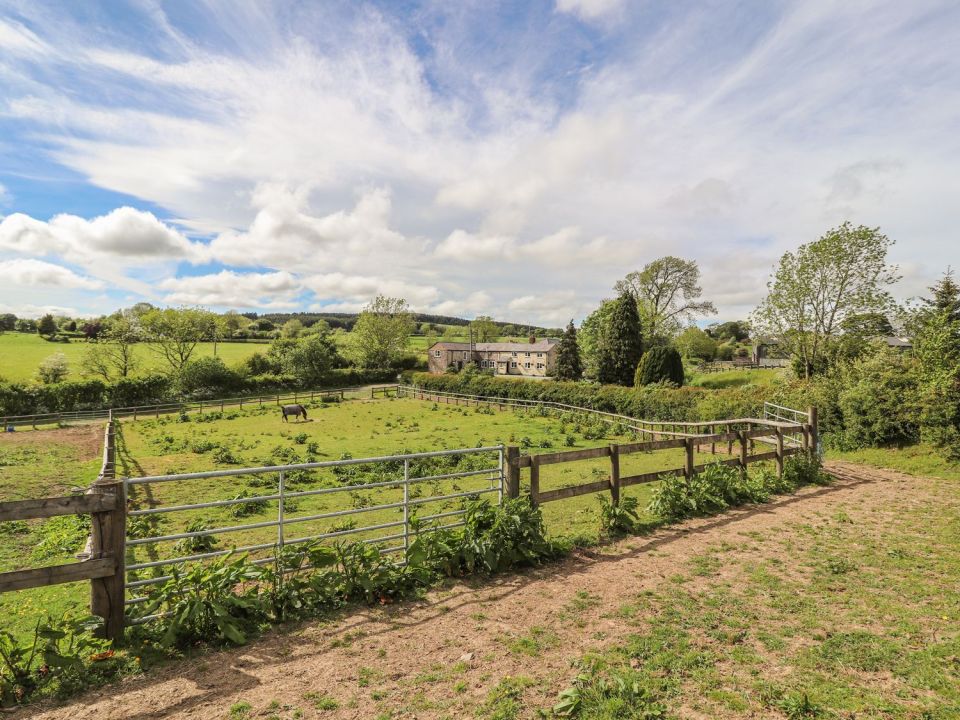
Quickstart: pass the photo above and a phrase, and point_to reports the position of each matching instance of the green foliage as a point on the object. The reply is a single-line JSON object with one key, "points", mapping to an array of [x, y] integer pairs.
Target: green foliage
{"points": [[53, 369], [620, 518], [823, 284], [569, 366], [660, 364], [198, 543], [494, 539], [380, 334], [216, 602], [47, 325], [208, 377], [61, 535], [695, 343], [621, 344], [61, 656]]}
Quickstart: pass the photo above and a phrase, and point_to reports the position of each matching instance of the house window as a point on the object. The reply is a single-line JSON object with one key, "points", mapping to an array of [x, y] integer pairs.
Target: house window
{"points": [[526, 365], [539, 366], [437, 353], [527, 354], [539, 354], [513, 354], [513, 364]]}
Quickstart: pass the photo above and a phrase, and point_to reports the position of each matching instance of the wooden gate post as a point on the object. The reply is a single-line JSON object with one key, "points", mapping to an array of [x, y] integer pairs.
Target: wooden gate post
{"points": [[743, 449], [108, 540], [511, 471], [534, 480], [615, 474], [688, 465]]}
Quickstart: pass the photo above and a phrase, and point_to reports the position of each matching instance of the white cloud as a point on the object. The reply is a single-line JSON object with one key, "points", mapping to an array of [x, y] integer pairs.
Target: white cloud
{"points": [[555, 307], [29, 310], [28, 272], [361, 289], [125, 236], [5, 197], [274, 290], [589, 9]]}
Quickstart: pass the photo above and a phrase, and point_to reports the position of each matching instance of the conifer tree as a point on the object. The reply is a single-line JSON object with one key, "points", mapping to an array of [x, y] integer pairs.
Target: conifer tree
{"points": [[946, 297], [660, 363], [621, 346], [569, 365]]}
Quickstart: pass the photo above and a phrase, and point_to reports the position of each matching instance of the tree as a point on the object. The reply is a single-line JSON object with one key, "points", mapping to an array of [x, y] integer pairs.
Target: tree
{"points": [[946, 297], [695, 343], [47, 325], [208, 376], [292, 329], [379, 337], [114, 354], [174, 333], [736, 330], [621, 346], [660, 363], [484, 329], [592, 330], [92, 330], [569, 365], [823, 283], [8, 321], [309, 359], [26, 325], [666, 292], [54, 368]]}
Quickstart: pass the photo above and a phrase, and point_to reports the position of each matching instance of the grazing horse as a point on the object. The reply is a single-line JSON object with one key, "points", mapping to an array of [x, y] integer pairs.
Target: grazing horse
{"points": [[295, 410]]}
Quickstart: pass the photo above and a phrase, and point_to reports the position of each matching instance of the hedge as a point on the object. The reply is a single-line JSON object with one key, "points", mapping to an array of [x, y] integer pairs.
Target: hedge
{"points": [[27, 399], [652, 402]]}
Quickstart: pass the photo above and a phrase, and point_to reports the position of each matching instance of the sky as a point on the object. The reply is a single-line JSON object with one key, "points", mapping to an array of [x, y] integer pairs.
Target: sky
{"points": [[512, 159]]}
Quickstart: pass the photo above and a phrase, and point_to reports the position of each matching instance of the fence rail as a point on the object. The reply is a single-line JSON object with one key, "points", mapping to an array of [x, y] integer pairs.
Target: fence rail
{"points": [[135, 411]]}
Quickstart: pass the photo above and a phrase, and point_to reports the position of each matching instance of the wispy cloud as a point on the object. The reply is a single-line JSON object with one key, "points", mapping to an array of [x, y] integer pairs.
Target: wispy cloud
{"points": [[521, 161]]}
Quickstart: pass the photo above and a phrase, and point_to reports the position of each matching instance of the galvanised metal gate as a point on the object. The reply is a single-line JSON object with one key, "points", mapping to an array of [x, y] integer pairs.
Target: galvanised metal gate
{"points": [[333, 487]]}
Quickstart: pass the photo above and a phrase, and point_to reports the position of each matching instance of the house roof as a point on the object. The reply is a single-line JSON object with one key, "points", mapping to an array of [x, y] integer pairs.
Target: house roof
{"points": [[538, 346]]}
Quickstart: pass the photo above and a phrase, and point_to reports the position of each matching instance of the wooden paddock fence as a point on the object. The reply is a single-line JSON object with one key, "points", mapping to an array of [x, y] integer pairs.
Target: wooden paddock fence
{"points": [[104, 563]]}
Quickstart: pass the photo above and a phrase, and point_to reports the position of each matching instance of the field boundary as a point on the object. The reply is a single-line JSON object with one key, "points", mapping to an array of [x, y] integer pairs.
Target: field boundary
{"points": [[136, 411]]}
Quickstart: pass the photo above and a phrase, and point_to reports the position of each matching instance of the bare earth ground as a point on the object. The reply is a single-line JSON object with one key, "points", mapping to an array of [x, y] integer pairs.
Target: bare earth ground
{"points": [[86, 438], [442, 656]]}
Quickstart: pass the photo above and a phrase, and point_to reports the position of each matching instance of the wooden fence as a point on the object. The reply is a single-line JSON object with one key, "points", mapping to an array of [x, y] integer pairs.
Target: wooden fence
{"points": [[105, 502], [103, 559]]}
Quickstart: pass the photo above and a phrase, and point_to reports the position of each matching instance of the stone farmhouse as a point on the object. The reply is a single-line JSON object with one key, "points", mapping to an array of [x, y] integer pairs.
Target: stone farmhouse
{"points": [[536, 358]]}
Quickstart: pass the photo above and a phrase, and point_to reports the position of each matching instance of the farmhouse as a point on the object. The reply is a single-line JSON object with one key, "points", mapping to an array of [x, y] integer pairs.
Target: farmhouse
{"points": [[536, 358]]}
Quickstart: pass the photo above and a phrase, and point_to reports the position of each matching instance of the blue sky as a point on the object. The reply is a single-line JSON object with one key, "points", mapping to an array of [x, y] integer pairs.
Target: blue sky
{"points": [[513, 159]]}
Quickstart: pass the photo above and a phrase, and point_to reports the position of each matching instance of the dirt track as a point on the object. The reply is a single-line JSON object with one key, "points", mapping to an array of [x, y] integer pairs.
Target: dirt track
{"points": [[407, 647]]}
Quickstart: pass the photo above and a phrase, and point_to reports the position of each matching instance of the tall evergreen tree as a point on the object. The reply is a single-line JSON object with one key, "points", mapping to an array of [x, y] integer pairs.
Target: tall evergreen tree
{"points": [[621, 346], [569, 365], [946, 297], [47, 325]]}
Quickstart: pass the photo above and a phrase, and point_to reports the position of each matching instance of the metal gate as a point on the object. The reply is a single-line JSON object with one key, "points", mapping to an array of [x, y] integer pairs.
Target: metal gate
{"points": [[410, 485]]}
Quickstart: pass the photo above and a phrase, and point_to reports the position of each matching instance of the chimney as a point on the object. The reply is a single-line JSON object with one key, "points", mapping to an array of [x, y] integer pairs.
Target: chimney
{"points": [[533, 339]]}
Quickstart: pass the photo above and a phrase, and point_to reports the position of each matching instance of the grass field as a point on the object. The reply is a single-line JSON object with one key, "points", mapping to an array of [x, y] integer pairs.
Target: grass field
{"points": [[35, 464], [21, 354]]}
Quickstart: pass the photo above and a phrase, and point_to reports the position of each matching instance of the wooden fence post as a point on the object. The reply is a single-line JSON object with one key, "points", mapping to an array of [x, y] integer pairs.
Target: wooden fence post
{"points": [[779, 432], [534, 481], [744, 451], [511, 471], [814, 430], [108, 540], [688, 465], [615, 474]]}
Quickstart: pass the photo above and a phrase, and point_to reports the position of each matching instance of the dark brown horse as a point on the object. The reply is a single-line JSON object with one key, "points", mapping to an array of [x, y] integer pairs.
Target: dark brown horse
{"points": [[295, 410]]}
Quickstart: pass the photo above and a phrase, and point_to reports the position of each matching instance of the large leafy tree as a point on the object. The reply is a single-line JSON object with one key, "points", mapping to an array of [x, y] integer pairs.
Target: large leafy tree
{"points": [[379, 337], [47, 325], [309, 358], [591, 333], [621, 345], [824, 283], [695, 343], [114, 354], [174, 333], [569, 365], [484, 329], [667, 292]]}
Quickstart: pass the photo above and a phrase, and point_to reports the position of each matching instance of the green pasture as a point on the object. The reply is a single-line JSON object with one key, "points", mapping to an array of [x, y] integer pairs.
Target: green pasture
{"points": [[21, 354], [258, 437]]}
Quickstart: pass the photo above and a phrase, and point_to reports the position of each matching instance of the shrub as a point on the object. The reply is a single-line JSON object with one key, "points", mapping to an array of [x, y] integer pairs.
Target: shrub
{"points": [[209, 377], [660, 364], [53, 369], [620, 518]]}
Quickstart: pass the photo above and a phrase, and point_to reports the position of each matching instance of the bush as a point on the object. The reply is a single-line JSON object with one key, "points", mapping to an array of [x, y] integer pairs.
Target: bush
{"points": [[660, 364], [53, 369], [208, 377], [620, 518]]}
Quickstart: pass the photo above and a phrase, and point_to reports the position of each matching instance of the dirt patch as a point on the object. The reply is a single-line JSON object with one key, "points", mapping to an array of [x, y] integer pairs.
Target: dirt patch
{"points": [[442, 656], [86, 440]]}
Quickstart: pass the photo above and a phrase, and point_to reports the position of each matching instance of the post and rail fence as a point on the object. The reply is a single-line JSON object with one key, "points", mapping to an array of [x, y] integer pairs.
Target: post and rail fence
{"points": [[113, 568]]}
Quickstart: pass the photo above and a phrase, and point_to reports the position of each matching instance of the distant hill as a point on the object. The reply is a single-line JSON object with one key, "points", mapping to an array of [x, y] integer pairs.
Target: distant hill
{"points": [[347, 320]]}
